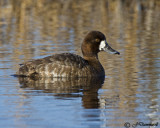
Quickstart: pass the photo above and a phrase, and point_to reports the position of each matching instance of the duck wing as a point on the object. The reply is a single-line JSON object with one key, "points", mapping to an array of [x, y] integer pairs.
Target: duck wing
{"points": [[58, 65]]}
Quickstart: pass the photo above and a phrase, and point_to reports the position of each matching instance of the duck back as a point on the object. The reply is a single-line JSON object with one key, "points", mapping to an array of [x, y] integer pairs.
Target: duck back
{"points": [[58, 65]]}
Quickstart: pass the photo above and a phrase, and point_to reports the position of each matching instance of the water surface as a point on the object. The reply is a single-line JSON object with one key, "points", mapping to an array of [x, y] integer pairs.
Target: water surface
{"points": [[35, 29]]}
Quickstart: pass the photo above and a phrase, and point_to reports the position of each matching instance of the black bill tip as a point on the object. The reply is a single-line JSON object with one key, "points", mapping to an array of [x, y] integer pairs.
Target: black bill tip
{"points": [[118, 53]]}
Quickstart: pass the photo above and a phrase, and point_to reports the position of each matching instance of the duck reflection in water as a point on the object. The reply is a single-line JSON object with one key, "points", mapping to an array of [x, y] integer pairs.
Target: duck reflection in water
{"points": [[65, 87], [70, 73]]}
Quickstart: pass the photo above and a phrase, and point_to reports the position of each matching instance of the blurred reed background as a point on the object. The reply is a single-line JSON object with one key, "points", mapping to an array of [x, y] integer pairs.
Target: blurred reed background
{"points": [[36, 28], [33, 28]]}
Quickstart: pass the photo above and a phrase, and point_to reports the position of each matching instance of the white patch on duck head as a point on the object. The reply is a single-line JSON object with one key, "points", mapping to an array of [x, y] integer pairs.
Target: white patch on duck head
{"points": [[103, 45]]}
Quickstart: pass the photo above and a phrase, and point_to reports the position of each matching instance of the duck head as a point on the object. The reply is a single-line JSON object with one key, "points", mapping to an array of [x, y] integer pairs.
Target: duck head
{"points": [[94, 42]]}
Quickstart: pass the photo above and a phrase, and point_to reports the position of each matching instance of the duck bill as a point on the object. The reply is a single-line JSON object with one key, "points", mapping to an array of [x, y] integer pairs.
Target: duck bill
{"points": [[105, 47], [111, 50]]}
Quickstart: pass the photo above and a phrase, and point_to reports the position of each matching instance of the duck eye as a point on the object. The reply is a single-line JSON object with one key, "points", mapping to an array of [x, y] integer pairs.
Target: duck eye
{"points": [[97, 40]]}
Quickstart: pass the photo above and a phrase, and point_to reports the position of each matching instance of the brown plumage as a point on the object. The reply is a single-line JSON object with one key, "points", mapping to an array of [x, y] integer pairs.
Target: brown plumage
{"points": [[70, 65]]}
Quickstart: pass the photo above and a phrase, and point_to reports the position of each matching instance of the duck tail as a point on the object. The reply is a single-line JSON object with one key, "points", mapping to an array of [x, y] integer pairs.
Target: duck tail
{"points": [[25, 70]]}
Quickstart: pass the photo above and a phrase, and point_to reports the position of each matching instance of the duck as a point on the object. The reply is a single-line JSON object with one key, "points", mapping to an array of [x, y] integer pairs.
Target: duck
{"points": [[68, 64]]}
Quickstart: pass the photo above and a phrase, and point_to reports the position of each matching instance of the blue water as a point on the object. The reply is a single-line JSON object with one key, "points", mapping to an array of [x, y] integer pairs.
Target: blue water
{"points": [[131, 89]]}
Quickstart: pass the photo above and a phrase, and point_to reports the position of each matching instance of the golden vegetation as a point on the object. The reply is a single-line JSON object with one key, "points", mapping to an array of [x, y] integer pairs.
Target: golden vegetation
{"points": [[131, 26]]}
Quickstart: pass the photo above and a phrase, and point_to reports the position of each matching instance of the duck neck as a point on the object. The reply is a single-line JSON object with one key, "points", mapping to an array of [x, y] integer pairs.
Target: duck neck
{"points": [[94, 62]]}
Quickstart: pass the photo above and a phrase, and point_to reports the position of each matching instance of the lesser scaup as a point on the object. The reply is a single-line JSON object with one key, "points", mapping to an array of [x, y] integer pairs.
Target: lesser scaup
{"points": [[71, 65]]}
